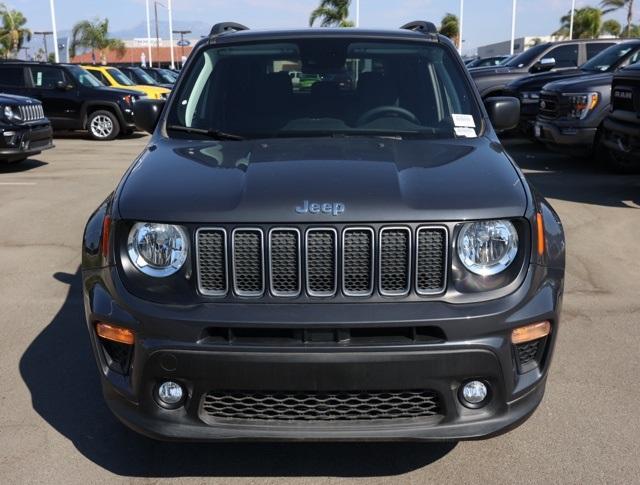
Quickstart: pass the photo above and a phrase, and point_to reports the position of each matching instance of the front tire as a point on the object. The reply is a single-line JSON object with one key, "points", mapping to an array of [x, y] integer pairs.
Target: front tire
{"points": [[623, 163], [103, 125]]}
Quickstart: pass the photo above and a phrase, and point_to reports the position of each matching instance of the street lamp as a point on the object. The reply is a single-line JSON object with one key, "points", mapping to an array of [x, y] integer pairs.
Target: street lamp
{"points": [[155, 8], [173, 65], [513, 26], [460, 27], [181, 33], [55, 34], [357, 13], [573, 11], [148, 34], [44, 35]]}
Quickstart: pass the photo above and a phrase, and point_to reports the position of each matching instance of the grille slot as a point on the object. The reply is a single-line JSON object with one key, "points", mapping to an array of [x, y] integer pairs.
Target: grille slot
{"points": [[431, 260], [321, 262], [395, 260], [212, 261], [284, 262], [310, 406], [248, 262], [357, 261], [31, 112], [529, 354]]}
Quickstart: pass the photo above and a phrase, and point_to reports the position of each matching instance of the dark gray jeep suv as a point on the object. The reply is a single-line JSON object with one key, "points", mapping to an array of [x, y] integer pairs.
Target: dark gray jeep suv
{"points": [[347, 261]]}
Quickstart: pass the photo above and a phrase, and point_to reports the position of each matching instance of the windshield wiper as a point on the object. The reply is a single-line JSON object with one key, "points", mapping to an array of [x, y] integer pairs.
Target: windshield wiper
{"points": [[215, 134]]}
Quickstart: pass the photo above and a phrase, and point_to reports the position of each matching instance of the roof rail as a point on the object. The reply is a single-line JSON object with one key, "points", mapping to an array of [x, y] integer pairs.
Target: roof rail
{"points": [[223, 27], [421, 26]]}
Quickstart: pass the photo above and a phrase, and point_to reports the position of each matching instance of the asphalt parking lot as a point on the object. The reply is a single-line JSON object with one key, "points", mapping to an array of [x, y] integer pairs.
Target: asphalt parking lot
{"points": [[55, 427]]}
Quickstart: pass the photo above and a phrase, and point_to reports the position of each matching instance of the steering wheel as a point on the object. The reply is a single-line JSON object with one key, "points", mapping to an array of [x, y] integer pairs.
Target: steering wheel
{"points": [[381, 111]]}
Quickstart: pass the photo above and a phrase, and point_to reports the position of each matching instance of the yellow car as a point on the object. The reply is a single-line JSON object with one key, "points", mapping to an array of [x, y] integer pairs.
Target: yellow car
{"points": [[112, 76]]}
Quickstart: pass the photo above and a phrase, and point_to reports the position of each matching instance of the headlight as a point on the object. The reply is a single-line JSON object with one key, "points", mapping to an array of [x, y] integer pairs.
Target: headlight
{"points": [[530, 96], [9, 114], [487, 247], [157, 250], [581, 104]]}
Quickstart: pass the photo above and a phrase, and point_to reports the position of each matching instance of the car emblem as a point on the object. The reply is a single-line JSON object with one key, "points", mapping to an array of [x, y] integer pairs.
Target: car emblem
{"points": [[543, 104], [332, 208]]}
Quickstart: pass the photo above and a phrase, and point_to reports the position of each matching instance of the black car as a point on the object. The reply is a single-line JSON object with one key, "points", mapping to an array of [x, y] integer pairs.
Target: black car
{"points": [[493, 81], [622, 127], [142, 77], [329, 264], [72, 98], [24, 130], [161, 75], [487, 61], [528, 88], [572, 111]]}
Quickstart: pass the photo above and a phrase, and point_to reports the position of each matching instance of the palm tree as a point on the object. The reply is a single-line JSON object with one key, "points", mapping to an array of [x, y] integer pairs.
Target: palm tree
{"points": [[94, 35], [13, 33], [611, 5], [587, 23], [611, 27], [450, 27], [332, 13]]}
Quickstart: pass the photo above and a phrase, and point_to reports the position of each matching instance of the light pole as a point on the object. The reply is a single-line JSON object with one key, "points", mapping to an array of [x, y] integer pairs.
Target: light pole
{"points": [[513, 26], [460, 27], [357, 13], [55, 34], [182, 34], [44, 41], [173, 65], [155, 8], [148, 35], [573, 11]]}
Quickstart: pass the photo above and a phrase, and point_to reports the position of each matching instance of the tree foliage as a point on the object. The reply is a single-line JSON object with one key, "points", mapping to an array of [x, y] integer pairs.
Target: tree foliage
{"points": [[587, 23], [450, 27], [13, 32], [94, 36], [612, 5], [611, 27], [332, 13]]}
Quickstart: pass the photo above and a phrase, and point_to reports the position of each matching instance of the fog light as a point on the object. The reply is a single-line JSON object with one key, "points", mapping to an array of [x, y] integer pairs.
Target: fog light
{"points": [[474, 393], [170, 393]]}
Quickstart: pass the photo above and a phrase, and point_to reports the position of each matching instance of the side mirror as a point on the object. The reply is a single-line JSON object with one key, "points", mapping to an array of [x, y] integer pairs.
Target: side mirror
{"points": [[545, 64], [147, 113], [504, 112], [63, 86]]}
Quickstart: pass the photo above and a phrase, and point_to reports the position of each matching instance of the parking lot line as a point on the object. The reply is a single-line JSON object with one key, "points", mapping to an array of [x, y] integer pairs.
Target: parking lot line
{"points": [[18, 183]]}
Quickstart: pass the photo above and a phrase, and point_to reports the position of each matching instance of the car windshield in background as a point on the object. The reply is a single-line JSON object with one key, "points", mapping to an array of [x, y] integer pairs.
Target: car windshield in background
{"points": [[607, 58], [84, 77], [167, 76], [144, 76], [119, 76], [320, 87], [525, 58]]}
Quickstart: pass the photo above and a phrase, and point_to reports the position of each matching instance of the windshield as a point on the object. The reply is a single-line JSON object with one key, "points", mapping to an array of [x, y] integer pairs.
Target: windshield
{"points": [[143, 76], [168, 76], [527, 57], [607, 59], [119, 76], [347, 87], [84, 78]]}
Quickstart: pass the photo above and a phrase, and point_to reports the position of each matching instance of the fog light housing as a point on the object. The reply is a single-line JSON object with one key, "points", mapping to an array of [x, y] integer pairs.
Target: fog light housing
{"points": [[474, 394], [170, 394]]}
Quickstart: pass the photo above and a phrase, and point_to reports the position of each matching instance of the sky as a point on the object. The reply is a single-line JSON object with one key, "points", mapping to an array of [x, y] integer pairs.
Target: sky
{"points": [[485, 21]]}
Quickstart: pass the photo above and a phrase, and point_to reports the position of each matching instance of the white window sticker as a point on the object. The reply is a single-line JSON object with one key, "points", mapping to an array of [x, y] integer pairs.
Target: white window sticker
{"points": [[465, 132], [39, 79], [463, 120]]}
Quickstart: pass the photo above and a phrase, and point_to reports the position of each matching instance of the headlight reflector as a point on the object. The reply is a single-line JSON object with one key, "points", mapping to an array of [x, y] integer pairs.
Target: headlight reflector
{"points": [[9, 114], [157, 250], [581, 104], [487, 247]]}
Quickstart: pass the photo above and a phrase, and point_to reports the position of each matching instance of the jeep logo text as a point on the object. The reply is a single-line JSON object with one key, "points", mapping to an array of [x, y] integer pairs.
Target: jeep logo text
{"points": [[333, 208]]}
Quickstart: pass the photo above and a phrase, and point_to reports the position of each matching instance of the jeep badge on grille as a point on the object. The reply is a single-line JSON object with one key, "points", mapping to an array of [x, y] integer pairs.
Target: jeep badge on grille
{"points": [[333, 208]]}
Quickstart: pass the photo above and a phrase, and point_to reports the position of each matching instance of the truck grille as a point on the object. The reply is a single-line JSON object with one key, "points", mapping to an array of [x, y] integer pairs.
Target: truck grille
{"points": [[31, 112], [626, 97], [322, 263], [220, 406], [548, 105]]}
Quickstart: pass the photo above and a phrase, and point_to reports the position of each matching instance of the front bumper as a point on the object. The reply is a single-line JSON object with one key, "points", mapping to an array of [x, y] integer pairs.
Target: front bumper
{"points": [[170, 345], [20, 141], [565, 136]]}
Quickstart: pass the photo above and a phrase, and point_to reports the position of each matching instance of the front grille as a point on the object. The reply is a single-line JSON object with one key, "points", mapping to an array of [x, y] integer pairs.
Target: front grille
{"points": [[31, 112], [548, 105], [626, 97], [309, 406], [322, 261]]}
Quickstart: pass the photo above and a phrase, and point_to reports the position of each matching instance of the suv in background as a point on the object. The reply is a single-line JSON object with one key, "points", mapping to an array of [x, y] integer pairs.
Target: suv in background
{"points": [[492, 81], [24, 130], [141, 77], [528, 88], [71, 97], [332, 264], [114, 77], [161, 75], [622, 127], [571, 111]]}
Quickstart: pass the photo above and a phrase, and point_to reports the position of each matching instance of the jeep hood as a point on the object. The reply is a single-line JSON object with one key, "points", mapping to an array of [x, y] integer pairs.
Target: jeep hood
{"points": [[376, 179]]}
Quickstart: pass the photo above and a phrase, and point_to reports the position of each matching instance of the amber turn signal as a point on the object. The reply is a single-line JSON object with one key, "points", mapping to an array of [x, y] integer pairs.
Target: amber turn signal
{"points": [[540, 228], [530, 332], [115, 333]]}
